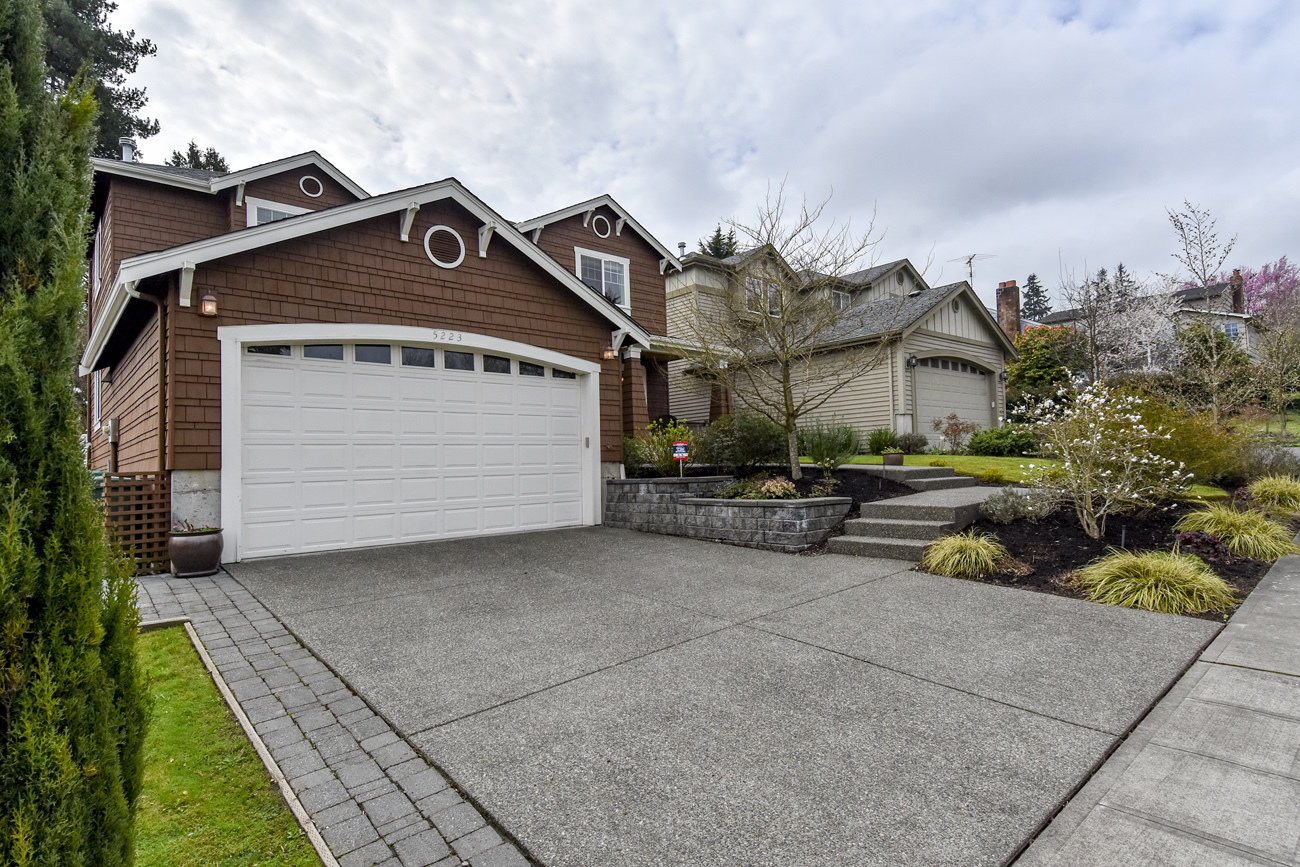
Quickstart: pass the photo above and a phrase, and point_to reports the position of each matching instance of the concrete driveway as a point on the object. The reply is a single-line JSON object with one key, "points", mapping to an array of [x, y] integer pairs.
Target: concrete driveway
{"points": [[619, 698]]}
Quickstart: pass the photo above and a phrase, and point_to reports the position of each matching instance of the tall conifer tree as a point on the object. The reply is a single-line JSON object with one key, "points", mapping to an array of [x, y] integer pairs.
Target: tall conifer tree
{"points": [[1034, 303], [72, 705]]}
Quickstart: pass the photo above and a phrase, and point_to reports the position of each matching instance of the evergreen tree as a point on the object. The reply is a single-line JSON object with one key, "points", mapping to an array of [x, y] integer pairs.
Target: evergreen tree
{"points": [[1034, 303], [73, 707], [718, 245], [79, 39], [193, 158]]}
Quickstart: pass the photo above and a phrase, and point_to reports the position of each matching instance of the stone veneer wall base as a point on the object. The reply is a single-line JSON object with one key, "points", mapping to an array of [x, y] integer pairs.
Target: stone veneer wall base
{"points": [[682, 507]]}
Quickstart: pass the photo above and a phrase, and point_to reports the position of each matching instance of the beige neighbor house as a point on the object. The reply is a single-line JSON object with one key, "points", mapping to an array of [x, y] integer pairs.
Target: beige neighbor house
{"points": [[948, 354]]}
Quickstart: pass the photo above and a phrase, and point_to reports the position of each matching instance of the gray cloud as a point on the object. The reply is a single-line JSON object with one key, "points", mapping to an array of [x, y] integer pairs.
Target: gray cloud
{"points": [[1042, 132]]}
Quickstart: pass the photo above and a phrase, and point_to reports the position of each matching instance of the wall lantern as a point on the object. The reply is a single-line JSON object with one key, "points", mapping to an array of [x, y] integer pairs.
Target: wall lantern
{"points": [[609, 353], [912, 361], [208, 305], [1002, 377]]}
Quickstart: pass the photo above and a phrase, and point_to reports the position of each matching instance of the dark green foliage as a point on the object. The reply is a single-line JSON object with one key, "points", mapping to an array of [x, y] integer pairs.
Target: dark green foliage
{"points": [[72, 704], [741, 441], [880, 439], [718, 245], [1008, 441], [912, 443], [1034, 303], [1047, 356], [194, 158], [829, 444], [79, 38]]}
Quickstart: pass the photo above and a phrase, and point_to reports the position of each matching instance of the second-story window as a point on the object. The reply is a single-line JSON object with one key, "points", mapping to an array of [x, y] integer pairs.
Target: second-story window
{"points": [[760, 294], [840, 299], [606, 274]]}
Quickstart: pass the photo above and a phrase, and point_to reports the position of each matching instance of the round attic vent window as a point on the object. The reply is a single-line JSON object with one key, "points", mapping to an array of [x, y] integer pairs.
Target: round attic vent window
{"points": [[600, 226], [899, 278], [311, 185], [444, 247], [956, 305]]}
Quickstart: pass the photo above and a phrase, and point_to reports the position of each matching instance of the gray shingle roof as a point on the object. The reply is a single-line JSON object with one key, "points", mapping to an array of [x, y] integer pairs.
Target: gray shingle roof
{"points": [[1201, 293], [876, 318], [868, 275], [184, 172], [1068, 315]]}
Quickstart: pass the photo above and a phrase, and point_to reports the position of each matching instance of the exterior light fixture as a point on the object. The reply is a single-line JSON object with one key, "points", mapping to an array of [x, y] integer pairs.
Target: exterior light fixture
{"points": [[911, 361], [609, 353], [1002, 377], [208, 305]]}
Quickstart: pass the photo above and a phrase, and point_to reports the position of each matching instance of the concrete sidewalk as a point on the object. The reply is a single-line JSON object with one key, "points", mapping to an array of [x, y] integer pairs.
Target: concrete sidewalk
{"points": [[1212, 775]]}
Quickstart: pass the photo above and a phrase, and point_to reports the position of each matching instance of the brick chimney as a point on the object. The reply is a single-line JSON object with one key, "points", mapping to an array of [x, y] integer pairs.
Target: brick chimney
{"points": [[1009, 309], [1238, 287]]}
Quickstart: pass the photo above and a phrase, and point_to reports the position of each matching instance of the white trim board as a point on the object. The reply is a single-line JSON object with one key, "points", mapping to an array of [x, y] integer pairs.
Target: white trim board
{"points": [[216, 183], [234, 338], [252, 203], [137, 268]]}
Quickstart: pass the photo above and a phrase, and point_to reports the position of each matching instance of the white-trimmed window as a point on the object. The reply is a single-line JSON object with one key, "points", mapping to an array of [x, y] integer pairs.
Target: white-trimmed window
{"points": [[262, 211], [606, 274], [760, 292], [840, 300], [1232, 329], [96, 262]]}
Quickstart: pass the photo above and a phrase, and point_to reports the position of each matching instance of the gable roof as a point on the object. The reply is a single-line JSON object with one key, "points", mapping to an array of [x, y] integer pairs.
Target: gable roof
{"points": [[875, 272], [133, 270], [904, 313], [203, 181], [592, 204]]}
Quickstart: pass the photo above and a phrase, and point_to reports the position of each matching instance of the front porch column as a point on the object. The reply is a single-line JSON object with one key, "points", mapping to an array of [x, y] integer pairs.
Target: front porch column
{"points": [[636, 415]]}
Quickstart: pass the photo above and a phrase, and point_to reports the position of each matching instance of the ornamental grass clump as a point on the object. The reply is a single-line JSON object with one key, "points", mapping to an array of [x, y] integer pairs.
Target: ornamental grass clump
{"points": [[1276, 493], [963, 555], [1246, 533], [1109, 460], [1156, 581]]}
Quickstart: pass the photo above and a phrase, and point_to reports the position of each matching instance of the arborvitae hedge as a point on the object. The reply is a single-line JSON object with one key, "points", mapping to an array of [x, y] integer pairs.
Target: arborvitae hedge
{"points": [[73, 707]]}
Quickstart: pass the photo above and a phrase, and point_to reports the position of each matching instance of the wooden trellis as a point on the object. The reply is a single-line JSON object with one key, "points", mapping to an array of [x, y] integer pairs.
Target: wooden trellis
{"points": [[138, 510]]}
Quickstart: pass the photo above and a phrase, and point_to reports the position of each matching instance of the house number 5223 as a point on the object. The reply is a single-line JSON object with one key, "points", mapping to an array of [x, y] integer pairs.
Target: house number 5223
{"points": [[448, 336]]}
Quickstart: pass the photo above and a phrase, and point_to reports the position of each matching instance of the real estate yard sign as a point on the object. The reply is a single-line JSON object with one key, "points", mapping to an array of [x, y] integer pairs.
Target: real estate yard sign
{"points": [[681, 454]]}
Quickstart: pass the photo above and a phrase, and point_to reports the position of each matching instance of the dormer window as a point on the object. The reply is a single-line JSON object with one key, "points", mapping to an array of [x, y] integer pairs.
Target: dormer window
{"points": [[607, 274], [840, 300], [760, 294], [261, 211]]}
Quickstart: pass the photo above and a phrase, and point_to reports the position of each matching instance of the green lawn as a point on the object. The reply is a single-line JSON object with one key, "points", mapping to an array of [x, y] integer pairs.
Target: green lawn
{"points": [[207, 799], [1273, 425], [1013, 469]]}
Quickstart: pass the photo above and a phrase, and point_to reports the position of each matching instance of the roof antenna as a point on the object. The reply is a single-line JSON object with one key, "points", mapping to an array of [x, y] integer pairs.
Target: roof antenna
{"points": [[970, 264]]}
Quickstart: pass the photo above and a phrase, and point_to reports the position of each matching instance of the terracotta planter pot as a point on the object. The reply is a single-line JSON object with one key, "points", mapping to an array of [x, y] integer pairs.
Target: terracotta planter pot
{"points": [[195, 553], [892, 460]]}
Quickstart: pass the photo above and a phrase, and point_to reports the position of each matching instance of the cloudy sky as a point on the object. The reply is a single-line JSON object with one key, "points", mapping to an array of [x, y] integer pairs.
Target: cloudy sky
{"points": [[1048, 134]]}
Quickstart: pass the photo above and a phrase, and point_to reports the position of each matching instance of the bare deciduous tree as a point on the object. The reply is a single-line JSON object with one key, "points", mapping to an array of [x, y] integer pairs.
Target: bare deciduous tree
{"points": [[785, 335], [1201, 253], [1126, 325], [1278, 350]]}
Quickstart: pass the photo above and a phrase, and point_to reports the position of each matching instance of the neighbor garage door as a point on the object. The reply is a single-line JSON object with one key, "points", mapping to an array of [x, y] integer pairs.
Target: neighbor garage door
{"points": [[351, 445], [948, 385]]}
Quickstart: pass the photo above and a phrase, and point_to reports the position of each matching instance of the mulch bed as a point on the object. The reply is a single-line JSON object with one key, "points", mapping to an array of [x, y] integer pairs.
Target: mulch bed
{"points": [[1049, 551], [859, 486]]}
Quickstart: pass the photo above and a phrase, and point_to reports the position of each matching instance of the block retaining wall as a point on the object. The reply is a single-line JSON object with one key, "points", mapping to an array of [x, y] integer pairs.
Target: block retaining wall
{"points": [[682, 507]]}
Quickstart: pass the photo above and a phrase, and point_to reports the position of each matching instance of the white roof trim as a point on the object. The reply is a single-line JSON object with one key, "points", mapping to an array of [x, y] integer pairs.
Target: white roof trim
{"points": [[538, 223], [231, 179], [137, 268]]}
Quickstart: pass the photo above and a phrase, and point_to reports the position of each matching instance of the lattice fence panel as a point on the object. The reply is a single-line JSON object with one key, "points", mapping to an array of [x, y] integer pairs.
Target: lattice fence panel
{"points": [[138, 510]]}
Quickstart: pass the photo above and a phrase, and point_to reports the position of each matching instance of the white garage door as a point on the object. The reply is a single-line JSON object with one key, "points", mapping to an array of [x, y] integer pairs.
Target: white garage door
{"points": [[948, 385], [351, 445]]}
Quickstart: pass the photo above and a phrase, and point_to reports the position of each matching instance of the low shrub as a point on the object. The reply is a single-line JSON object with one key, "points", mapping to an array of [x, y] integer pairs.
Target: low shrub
{"points": [[954, 431], [880, 439], [1246, 533], [1203, 545], [1008, 441], [829, 444], [938, 462], [740, 441], [1277, 493], [1209, 452], [759, 487], [1010, 504], [912, 443], [963, 555], [653, 447], [993, 476], [1156, 581]]}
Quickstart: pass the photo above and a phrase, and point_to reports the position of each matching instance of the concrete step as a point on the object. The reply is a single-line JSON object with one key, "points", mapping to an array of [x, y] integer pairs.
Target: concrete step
{"points": [[941, 484], [957, 505], [898, 528], [870, 546], [901, 474]]}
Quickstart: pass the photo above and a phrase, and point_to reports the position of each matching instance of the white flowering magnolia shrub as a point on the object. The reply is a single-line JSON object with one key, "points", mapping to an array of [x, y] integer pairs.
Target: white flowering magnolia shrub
{"points": [[1108, 466]]}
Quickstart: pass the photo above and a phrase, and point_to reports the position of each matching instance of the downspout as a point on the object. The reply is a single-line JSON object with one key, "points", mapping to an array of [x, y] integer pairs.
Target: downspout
{"points": [[893, 373], [162, 371]]}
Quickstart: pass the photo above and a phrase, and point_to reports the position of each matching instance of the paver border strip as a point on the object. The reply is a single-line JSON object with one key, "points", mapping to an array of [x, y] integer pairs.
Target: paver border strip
{"points": [[277, 776]]}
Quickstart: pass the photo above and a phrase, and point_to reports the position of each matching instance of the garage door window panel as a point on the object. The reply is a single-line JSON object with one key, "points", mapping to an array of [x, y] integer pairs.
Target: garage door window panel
{"points": [[458, 360], [327, 351], [414, 356], [374, 353]]}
